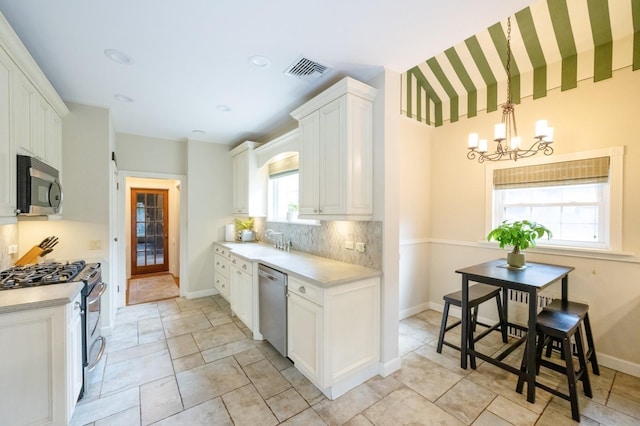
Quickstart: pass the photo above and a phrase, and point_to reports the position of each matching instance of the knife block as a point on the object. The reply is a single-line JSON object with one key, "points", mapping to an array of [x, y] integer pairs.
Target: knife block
{"points": [[30, 257]]}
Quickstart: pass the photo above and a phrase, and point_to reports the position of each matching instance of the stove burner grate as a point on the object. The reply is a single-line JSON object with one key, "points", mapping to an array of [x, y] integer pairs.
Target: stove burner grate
{"points": [[40, 274]]}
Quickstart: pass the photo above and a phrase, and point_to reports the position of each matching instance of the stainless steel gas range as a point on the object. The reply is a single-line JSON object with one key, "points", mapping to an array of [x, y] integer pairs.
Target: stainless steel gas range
{"points": [[50, 273]]}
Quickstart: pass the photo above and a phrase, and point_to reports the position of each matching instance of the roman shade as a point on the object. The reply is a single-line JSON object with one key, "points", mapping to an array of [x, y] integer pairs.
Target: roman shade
{"points": [[590, 170], [284, 166]]}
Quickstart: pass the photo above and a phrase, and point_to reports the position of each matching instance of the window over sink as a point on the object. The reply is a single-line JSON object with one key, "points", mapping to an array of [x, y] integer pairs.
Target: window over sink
{"points": [[284, 189]]}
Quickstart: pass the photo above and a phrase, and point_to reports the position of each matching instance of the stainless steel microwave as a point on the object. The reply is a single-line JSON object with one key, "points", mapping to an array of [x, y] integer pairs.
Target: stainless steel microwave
{"points": [[39, 189]]}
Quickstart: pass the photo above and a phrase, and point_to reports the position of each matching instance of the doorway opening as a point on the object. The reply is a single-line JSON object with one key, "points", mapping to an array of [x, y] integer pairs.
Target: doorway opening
{"points": [[153, 239], [149, 231]]}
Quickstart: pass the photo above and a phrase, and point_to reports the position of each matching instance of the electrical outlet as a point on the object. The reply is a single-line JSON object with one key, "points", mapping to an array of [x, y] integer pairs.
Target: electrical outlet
{"points": [[360, 247], [348, 245], [12, 249], [95, 245]]}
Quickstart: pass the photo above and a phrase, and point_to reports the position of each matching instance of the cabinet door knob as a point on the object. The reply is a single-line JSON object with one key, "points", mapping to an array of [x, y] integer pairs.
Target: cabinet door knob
{"points": [[76, 305], [302, 290]]}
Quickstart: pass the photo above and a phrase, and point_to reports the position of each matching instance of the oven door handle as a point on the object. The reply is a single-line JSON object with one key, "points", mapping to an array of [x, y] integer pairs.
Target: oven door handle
{"points": [[101, 290], [95, 362]]}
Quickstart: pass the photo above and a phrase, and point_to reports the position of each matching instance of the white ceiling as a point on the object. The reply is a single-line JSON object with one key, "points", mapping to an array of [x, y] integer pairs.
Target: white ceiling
{"points": [[189, 56]]}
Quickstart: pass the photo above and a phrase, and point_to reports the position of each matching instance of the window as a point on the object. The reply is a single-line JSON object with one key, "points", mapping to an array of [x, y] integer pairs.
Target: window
{"points": [[283, 196], [283, 190], [577, 196]]}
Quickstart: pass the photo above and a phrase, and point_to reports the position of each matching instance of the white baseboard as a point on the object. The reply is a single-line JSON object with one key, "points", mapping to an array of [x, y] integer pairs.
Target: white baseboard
{"points": [[390, 366], [618, 364], [406, 313], [200, 293]]}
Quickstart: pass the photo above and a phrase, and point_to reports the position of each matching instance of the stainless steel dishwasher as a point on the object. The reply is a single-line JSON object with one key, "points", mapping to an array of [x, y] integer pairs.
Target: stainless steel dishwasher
{"points": [[272, 292]]}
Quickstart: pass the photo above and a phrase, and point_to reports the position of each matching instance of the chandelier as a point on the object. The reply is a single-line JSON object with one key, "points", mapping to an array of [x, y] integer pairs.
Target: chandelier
{"points": [[509, 144]]}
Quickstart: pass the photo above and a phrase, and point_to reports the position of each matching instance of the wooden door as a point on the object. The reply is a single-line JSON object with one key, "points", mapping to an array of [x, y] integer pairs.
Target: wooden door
{"points": [[149, 230]]}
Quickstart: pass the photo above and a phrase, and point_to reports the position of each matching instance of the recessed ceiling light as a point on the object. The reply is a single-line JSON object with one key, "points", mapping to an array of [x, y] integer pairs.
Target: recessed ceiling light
{"points": [[118, 56], [259, 61], [198, 131], [123, 98], [223, 108]]}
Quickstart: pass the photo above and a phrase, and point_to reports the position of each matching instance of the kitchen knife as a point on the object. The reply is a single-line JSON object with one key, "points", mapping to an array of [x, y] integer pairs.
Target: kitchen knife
{"points": [[44, 242]]}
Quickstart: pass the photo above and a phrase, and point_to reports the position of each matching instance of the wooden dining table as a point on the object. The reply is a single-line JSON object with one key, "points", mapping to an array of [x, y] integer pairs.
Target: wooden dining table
{"points": [[530, 279]]}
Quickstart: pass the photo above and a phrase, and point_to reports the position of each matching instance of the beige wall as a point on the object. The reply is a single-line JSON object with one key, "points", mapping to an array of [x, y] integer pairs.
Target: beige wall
{"points": [[414, 214], [593, 116], [144, 154], [209, 198]]}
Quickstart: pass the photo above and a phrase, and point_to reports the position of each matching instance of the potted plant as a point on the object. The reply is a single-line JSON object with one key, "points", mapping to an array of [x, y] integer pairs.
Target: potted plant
{"points": [[520, 234], [244, 230], [292, 212]]}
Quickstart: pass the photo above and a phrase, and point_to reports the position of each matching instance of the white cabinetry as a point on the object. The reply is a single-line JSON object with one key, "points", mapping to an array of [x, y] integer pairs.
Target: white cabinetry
{"points": [[74, 353], [37, 125], [30, 116], [42, 362], [249, 182], [336, 152], [7, 147], [241, 281], [334, 333], [222, 267]]}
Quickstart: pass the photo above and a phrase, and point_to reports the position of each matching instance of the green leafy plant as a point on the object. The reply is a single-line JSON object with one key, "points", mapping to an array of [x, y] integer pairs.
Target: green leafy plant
{"points": [[242, 225], [293, 207], [520, 234]]}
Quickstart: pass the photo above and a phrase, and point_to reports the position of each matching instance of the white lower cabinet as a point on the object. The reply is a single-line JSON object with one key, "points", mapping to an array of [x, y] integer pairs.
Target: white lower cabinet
{"points": [[334, 333], [241, 281], [222, 267], [41, 364]]}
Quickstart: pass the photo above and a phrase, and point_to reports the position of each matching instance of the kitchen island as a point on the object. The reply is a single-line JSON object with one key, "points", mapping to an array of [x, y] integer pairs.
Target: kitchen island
{"points": [[333, 310]]}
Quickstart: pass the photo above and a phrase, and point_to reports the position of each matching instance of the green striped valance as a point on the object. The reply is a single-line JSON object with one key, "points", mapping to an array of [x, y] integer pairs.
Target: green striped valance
{"points": [[575, 172], [554, 44]]}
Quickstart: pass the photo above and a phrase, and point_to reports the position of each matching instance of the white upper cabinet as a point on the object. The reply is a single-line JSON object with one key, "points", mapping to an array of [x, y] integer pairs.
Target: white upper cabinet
{"points": [[249, 182], [30, 116], [7, 147], [336, 152], [37, 126]]}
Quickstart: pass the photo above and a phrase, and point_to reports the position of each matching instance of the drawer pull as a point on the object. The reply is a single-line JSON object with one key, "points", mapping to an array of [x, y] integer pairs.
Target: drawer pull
{"points": [[233, 261], [302, 290], [244, 266]]}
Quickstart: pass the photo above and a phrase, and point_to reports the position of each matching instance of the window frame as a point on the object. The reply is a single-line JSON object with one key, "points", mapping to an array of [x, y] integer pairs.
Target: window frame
{"points": [[616, 157], [272, 199]]}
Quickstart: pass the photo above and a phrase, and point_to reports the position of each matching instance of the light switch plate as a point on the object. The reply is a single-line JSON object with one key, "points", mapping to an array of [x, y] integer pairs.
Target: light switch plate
{"points": [[348, 245], [360, 247]]}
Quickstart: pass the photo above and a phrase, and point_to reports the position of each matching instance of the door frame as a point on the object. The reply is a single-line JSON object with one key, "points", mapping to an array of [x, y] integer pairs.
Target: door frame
{"points": [[166, 217], [122, 232]]}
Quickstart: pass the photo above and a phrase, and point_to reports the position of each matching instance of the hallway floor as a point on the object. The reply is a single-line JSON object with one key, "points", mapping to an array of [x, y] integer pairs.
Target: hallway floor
{"points": [[152, 288], [189, 362]]}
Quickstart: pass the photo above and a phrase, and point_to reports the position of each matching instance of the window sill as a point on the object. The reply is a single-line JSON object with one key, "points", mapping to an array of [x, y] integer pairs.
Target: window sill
{"points": [[570, 251], [296, 222]]}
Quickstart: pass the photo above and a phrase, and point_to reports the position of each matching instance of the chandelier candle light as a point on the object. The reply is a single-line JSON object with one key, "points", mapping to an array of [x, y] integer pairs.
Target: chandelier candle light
{"points": [[508, 131]]}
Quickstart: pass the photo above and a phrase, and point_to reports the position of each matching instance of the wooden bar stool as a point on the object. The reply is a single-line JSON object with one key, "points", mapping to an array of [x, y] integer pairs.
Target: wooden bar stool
{"points": [[478, 294], [560, 326], [580, 310]]}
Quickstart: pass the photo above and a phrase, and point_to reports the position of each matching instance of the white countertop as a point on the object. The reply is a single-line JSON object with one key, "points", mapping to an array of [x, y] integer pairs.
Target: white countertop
{"points": [[319, 270], [38, 297]]}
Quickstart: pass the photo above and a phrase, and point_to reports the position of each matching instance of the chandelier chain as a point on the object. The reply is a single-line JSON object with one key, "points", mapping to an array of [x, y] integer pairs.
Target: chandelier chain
{"points": [[506, 134], [508, 66]]}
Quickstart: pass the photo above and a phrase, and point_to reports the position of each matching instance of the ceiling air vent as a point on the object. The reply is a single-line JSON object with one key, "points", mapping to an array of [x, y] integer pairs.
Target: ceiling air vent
{"points": [[306, 69]]}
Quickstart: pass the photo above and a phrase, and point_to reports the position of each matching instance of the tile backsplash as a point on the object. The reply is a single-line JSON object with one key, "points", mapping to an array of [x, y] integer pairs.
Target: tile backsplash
{"points": [[8, 236], [328, 239]]}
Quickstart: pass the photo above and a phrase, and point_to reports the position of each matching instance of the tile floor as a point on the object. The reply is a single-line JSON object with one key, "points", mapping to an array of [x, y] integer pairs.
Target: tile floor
{"points": [[189, 362]]}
